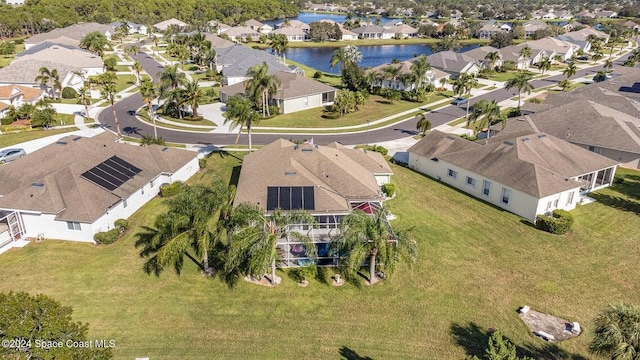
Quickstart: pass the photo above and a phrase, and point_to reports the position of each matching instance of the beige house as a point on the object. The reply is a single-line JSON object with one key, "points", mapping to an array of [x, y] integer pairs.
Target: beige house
{"points": [[295, 93], [24, 72], [292, 33], [242, 33], [328, 181], [526, 175], [512, 53], [480, 54], [75, 32], [78, 186], [90, 63], [164, 25], [552, 47], [17, 95], [256, 25]]}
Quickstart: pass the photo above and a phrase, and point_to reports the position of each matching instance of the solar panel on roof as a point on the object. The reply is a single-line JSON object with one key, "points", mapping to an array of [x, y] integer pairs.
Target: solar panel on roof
{"points": [[272, 198], [308, 198], [285, 198], [111, 173], [296, 198]]}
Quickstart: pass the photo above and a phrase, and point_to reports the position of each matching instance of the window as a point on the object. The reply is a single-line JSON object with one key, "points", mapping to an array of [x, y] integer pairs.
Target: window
{"points": [[124, 203], [570, 198], [452, 173], [548, 205], [506, 196], [555, 204], [486, 187], [471, 181], [151, 184], [72, 225], [142, 190], [595, 149]]}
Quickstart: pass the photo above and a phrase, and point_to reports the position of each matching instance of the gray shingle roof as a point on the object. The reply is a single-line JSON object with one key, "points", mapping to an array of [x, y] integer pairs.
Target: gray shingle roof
{"points": [[25, 71], [76, 32], [450, 61], [292, 86], [237, 59], [337, 175], [68, 195], [537, 164]]}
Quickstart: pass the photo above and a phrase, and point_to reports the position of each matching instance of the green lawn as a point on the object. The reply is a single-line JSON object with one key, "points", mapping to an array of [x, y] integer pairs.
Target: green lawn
{"points": [[64, 119], [17, 138], [202, 122], [504, 76], [142, 115], [477, 265], [122, 68], [375, 108], [125, 81], [326, 78]]}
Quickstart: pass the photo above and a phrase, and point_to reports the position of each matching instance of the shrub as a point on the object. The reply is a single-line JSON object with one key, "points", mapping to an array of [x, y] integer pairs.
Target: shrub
{"points": [[559, 222], [171, 189], [331, 115], [389, 189], [191, 118], [536, 100], [377, 148], [69, 93], [274, 110], [202, 163], [121, 224], [106, 237], [304, 273], [317, 75], [6, 121], [618, 179]]}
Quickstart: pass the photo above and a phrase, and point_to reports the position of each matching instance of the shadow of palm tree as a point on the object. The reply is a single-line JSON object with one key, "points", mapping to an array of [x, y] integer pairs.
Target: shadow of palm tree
{"points": [[348, 354], [617, 202]]}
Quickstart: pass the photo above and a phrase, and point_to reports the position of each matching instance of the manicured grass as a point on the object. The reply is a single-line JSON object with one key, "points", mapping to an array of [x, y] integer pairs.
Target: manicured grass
{"points": [[136, 140], [326, 78], [499, 76], [477, 264], [17, 138], [125, 81], [375, 108], [202, 122], [5, 60], [64, 119], [142, 115]]}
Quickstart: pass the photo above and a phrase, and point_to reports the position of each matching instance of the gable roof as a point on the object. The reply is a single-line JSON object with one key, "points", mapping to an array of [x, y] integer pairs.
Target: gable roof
{"points": [[75, 32], [49, 181], [405, 68], [480, 53], [291, 86], [242, 31], [163, 25], [537, 164], [369, 29], [217, 42], [337, 175], [549, 44], [253, 23], [26, 70], [237, 59], [450, 61], [589, 123], [11, 91], [64, 55], [295, 23], [289, 31], [583, 34]]}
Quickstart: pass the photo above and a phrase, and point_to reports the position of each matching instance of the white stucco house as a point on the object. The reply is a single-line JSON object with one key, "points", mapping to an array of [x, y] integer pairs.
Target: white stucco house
{"points": [[295, 93], [17, 95], [79, 186], [526, 175], [431, 76], [234, 61], [25, 72]]}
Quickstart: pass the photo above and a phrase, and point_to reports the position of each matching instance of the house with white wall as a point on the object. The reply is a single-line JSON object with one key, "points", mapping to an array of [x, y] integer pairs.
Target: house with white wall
{"points": [[76, 32], [79, 186], [526, 175], [295, 93], [24, 73], [233, 62], [453, 63], [17, 95], [431, 76], [90, 63]]}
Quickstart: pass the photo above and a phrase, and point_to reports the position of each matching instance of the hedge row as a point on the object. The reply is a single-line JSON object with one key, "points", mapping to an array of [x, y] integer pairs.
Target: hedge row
{"points": [[559, 222], [109, 237]]}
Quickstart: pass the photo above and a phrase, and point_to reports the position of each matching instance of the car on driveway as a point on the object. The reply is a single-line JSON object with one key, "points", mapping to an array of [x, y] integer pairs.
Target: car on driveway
{"points": [[460, 101], [11, 154]]}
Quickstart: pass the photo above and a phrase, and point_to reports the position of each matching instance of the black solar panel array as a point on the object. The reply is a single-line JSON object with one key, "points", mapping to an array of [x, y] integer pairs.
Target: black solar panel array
{"points": [[111, 173], [290, 198]]}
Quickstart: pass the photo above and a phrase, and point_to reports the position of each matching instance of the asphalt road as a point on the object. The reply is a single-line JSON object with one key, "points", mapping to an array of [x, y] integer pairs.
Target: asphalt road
{"points": [[133, 127]]}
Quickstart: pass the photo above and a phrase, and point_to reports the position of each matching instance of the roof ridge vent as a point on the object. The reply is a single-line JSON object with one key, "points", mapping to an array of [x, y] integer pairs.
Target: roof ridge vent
{"points": [[37, 185], [63, 143], [508, 143]]}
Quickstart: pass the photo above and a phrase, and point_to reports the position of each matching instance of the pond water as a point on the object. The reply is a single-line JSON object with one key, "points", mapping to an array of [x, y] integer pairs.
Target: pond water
{"points": [[308, 17], [320, 57]]}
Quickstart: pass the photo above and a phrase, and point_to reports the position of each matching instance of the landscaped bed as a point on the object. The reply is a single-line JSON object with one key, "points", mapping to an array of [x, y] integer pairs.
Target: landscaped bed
{"points": [[476, 265]]}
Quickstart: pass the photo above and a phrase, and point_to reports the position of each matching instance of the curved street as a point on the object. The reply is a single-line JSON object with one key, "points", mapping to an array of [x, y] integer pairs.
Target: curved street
{"points": [[131, 126]]}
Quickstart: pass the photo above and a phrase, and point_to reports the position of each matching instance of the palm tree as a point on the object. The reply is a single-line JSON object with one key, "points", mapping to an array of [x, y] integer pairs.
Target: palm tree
{"points": [[489, 112], [608, 65], [134, 49], [84, 97], [564, 84], [193, 96], [241, 113], [463, 86], [190, 223], [95, 42], [279, 44], [525, 53], [492, 57], [148, 92], [137, 67], [520, 82], [347, 56], [261, 87], [617, 333], [423, 124], [108, 93], [369, 237], [171, 78], [443, 82], [254, 238], [44, 76], [51, 76], [419, 69], [597, 56], [392, 73], [544, 65], [570, 70]]}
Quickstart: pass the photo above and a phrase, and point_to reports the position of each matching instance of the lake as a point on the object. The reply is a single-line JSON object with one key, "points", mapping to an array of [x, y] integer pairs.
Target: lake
{"points": [[320, 57], [308, 17]]}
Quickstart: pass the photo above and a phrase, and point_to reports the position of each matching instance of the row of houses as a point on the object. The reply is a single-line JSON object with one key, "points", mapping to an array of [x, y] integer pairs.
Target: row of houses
{"points": [[548, 158]]}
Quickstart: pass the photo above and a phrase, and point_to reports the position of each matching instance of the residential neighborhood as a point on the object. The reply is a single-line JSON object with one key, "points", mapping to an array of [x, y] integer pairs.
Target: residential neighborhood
{"points": [[249, 186]]}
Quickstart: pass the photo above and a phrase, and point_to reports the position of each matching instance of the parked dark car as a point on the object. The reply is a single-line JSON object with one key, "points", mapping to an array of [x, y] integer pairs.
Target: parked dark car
{"points": [[11, 154]]}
